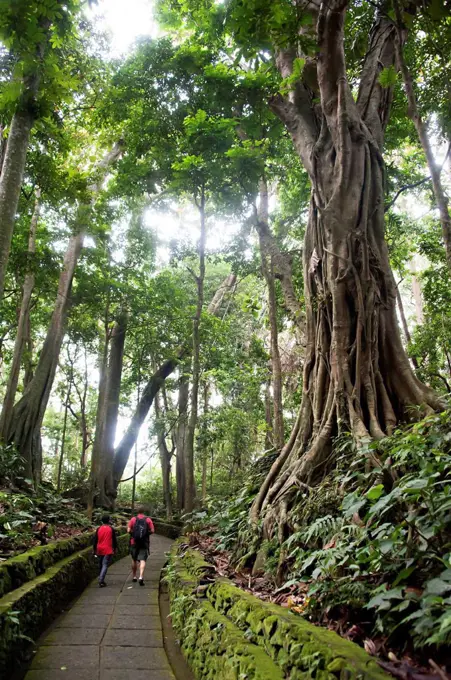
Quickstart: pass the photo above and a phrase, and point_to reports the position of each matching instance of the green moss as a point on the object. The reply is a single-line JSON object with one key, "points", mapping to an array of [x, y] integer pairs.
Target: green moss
{"points": [[22, 568], [38, 601], [297, 648]]}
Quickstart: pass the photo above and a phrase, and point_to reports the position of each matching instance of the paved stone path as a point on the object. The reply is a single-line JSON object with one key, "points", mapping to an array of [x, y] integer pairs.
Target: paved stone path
{"points": [[111, 633]]}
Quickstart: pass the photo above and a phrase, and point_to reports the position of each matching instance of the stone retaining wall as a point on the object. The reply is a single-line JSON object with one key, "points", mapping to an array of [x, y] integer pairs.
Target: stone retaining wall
{"points": [[27, 610], [17, 570], [225, 632]]}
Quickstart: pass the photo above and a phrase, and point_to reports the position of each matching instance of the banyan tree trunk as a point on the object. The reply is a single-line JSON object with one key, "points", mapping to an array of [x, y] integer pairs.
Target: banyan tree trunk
{"points": [[26, 419], [22, 326], [357, 377]]}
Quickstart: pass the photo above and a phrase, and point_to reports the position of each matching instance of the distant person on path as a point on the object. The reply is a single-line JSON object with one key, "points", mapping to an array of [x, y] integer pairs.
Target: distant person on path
{"points": [[140, 528], [105, 545]]}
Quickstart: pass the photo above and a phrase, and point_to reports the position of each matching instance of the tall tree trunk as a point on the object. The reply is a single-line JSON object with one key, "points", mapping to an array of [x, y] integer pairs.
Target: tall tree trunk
{"points": [[183, 399], [205, 447], [282, 266], [63, 436], [26, 419], [107, 429], [27, 354], [22, 326], [101, 405], [83, 419], [268, 273], [11, 180], [414, 113], [190, 484], [269, 441], [3, 142], [165, 457], [417, 295], [404, 323], [357, 376]]}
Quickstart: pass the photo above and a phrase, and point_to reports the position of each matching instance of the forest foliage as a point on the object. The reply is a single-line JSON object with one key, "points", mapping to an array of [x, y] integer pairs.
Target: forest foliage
{"points": [[225, 293]]}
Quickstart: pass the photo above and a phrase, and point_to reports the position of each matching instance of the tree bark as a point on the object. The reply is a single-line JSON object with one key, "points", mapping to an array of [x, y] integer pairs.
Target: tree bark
{"points": [[417, 295], [414, 113], [190, 484], [183, 398], [357, 376], [103, 481], [3, 142], [165, 457], [63, 436], [205, 448], [22, 326], [276, 368], [101, 402], [11, 181]]}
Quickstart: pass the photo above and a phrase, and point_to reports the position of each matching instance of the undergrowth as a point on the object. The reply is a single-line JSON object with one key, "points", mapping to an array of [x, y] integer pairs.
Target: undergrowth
{"points": [[370, 547]]}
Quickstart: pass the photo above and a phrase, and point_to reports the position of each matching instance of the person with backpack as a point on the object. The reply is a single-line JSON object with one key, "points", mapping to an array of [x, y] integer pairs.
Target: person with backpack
{"points": [[140, 528], [105, 545]]}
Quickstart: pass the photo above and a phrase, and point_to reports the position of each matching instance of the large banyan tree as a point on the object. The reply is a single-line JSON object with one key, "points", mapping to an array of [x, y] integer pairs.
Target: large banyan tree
{"points": [[357, 376]]}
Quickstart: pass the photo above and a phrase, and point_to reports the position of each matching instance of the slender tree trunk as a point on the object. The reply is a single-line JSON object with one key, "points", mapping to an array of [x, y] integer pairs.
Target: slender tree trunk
{"points": [[417, 295], [83, 418], [3, 142], [268, 273], [180, 472], [63, 436], [105, 491], [269, 444], [135, 463], [357, 377], [402, 314], [135, 468], [11, 181], [27, 354], [405, 325], [205, 447], [165, 458], [190, 484], [26, 419], [282, 266], [22, 326], [101, 405], [414, 113]]}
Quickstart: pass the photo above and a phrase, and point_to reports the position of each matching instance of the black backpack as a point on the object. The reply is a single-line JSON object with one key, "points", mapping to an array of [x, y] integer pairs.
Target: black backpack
{"points": [[141, 531]]}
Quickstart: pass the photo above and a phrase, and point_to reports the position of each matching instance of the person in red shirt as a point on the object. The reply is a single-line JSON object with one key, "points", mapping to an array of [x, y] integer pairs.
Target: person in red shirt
{"points": [[105, 545], [140, 528]]}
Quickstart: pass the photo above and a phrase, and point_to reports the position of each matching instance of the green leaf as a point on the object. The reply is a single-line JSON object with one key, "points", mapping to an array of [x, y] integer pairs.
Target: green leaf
{"points": [[388, 77], [375, 492]]}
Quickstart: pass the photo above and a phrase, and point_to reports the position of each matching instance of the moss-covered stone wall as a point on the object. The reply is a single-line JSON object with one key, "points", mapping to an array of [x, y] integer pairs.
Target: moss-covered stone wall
{"points": [[22, 568], [295, 647], [213, 646], [27, 610]]}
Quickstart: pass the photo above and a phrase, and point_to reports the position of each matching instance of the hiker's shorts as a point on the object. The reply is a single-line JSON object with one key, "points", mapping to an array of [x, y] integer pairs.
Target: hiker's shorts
{"points": [[139, 554]]}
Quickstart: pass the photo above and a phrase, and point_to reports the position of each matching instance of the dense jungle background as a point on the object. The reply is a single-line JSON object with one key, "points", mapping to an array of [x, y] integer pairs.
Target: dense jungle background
{"points": [[225, 252]]}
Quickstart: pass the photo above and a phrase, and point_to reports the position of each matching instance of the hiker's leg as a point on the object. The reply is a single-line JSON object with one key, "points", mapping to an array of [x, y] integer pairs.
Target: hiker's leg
{"points": [[134, 567], [142, 566], [105, 562]]}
